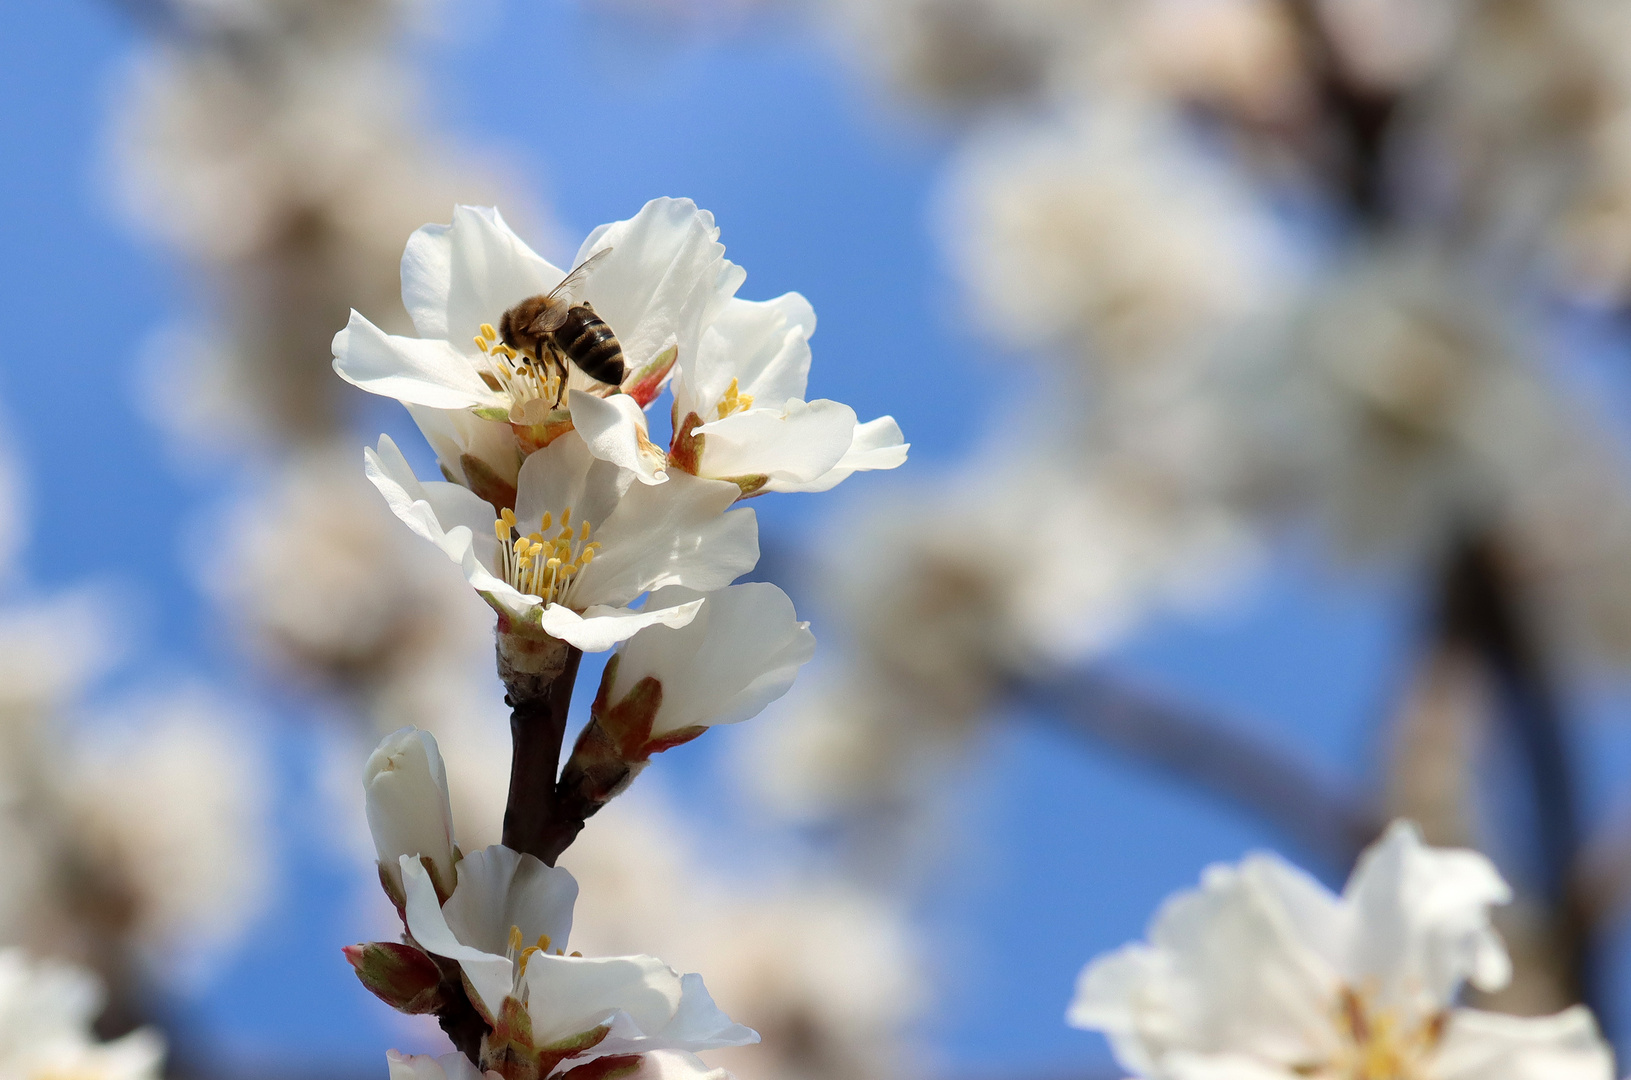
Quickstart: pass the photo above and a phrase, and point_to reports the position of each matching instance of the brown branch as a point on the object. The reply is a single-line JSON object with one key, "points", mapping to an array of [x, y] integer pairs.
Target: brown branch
{"points": [[1317, 812], [536, 821], [1480, 610]]}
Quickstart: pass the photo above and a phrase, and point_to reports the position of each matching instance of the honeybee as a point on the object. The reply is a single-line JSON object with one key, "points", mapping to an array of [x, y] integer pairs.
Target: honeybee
{"points": [[556, 324]]}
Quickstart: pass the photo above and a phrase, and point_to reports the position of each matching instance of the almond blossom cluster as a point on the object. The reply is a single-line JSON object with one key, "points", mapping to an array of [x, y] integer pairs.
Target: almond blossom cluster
{"points": [[583, 534]]}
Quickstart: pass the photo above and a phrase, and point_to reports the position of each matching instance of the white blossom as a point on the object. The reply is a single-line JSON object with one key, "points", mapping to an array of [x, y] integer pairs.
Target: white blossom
{"points": [[1261, 972], [507, 924], [587, 540], [662, 1065], [662, 279]]}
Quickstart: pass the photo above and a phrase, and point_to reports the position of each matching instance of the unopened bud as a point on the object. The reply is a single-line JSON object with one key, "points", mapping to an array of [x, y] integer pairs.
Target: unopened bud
{"points": [[401, 976], [408, 809]]}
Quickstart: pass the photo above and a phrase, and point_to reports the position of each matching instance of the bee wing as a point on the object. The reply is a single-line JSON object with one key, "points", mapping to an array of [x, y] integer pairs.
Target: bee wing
{"points": [[566, 293]]}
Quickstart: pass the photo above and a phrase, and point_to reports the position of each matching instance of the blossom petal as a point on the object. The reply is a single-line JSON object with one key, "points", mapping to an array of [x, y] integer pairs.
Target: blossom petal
{"points": [[741, 652], [669, 534], [427, 279], [1422, 919], [601, 627], [666, 278], [676, 1065], [1230, 969], [645, 1003], [457, 433], [764, 345], [424, 1067], [565, 474], [490, 271], [796, 446], [467, 542], [614, 429], [1488, 1046], [419, 371], [500, 888], [490, 974], [878, 444]]}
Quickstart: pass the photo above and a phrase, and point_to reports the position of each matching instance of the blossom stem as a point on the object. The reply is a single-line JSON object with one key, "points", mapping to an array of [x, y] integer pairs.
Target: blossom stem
{"points": [[536, 821]]}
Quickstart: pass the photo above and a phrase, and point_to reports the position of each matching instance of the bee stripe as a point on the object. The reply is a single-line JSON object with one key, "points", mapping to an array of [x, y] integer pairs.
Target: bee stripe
{"points": [[590, 343]]}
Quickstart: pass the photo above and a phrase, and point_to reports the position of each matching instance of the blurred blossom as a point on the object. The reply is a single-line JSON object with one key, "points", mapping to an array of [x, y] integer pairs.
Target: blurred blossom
{"points": [[136, 842], [1105, 234], [46, 1012], [1391, 44], [316, 572], [174, 801], [827, 974], [1411, 373], [269, 143], [1014, 567]]}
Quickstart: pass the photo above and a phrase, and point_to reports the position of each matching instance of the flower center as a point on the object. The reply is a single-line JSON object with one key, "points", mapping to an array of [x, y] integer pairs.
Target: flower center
{"points": [[1379, 1046], [734, 400], [538, 565], [524, 378]]}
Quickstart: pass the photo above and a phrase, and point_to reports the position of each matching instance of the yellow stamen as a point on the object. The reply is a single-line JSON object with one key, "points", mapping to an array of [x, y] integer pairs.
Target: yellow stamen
{"points": [[481, 343], [543, 523], [488, 332], [566, 517], [508, 517], [515, 938]]}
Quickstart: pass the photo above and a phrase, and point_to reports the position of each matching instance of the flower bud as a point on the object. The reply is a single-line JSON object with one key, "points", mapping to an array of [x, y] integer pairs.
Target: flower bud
{"points": [[740, 653], [408, 809], [667, 685], [400, 975]]}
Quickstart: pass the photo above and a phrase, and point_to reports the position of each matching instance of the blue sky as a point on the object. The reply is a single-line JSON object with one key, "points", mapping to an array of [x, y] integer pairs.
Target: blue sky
{"points": [[817, 188]]}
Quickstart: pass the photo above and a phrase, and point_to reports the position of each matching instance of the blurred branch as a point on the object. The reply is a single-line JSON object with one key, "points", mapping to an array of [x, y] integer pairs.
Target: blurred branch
{"points": [[1480, 610], [1315, 811], [1356, 166]]}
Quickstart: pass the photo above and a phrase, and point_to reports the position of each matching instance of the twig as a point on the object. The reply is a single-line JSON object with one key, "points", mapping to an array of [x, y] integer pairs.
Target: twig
{"points": [[1315, 811], [535, 822]]}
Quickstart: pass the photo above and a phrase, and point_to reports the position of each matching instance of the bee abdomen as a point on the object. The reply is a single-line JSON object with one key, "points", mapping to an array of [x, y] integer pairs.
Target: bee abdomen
{"points": [[589, 342]]}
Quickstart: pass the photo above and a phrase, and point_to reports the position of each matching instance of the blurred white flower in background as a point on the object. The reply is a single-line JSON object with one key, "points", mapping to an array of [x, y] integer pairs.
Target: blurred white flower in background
{"points": [[828, 973], [1106, 235], [46, 1012]]}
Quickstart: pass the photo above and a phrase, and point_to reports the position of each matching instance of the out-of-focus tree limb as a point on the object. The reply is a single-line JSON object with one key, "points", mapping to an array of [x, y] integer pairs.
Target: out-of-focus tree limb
{"points": [[1480, 610], [1318, 812]]}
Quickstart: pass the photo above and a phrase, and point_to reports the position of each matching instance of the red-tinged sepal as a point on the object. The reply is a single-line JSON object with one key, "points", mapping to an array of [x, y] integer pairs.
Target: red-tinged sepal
{"points": [[685, 450], [645, 384], [400, 975]]}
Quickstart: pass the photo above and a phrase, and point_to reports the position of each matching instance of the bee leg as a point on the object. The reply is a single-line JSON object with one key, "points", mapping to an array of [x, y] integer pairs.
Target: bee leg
{"points": [[560, 389]]}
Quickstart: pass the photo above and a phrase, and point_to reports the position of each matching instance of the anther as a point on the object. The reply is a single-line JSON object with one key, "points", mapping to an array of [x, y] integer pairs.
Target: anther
{"points": [[543, 522], [488, 332], [481, 343]]}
